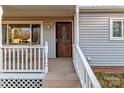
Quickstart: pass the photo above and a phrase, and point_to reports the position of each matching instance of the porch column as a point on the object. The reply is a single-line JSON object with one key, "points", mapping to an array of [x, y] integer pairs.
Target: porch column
{"points": [[1, 54], [76, 25]]}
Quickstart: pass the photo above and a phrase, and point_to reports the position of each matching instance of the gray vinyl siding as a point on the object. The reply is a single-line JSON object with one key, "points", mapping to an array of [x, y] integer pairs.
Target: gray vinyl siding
{"points": [[94, 39], [49, 36]]}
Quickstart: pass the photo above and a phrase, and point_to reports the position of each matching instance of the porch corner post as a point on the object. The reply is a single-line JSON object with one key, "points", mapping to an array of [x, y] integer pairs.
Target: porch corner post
{"points": [[76, 20], [1, 54], [76, 35], [46, 57]]}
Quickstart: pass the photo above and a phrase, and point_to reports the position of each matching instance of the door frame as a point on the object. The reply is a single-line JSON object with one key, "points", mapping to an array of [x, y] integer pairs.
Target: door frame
{"points": [[72, 22]]}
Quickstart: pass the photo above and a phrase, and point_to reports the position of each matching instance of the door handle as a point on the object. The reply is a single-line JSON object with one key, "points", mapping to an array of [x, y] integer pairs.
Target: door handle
{"points": [[56, 40]]}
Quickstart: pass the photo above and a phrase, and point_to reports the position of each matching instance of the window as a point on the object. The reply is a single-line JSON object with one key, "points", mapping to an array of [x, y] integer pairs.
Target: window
{"points": [[4, 33], [35, 33], [21, 33], [116, 29]]}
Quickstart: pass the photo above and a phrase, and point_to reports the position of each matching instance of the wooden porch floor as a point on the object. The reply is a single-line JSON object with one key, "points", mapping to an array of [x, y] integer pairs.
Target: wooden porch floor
{"points": [[61, 74]]}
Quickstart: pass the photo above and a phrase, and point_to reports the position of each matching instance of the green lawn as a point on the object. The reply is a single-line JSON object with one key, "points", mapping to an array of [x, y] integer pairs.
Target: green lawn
{"points": [[110, 80]]}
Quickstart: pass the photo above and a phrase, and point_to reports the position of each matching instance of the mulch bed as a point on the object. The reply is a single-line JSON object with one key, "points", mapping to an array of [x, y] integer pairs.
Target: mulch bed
{"points": [[110, 80]]}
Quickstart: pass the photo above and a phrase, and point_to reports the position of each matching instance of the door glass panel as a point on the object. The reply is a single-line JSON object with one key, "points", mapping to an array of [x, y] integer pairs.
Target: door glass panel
{"points": [[64, 34], [36, 34], [117, 32], [19, 33]]}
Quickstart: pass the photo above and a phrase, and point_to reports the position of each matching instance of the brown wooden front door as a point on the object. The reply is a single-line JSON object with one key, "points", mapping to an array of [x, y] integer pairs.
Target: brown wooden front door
{"points": [[63, 39]]}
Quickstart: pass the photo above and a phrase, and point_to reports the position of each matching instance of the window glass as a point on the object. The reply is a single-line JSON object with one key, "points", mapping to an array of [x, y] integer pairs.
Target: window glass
{"points": [[19, 33], [4, 33], [35, 33], [64, 34], [117, 31]]}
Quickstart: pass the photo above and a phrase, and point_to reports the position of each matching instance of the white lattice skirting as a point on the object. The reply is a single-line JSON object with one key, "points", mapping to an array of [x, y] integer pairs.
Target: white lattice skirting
{"points": [[21, 81]]}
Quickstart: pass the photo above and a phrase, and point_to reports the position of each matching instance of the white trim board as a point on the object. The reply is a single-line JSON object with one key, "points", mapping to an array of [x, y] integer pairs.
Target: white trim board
{"points": [[22, 75], [111, 28], [22, 22]]}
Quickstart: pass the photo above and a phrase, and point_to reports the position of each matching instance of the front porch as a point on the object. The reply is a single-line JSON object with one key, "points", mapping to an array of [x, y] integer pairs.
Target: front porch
{"points": [[61, 75], [24, 53]]}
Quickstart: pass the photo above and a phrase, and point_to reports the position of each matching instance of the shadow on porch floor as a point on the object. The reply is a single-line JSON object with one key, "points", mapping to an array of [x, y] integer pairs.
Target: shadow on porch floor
{"points": [[61, 74]]}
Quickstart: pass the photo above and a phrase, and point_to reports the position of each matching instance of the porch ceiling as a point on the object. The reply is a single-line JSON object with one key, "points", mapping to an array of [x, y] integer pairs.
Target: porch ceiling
{"points": [[37, 10]]}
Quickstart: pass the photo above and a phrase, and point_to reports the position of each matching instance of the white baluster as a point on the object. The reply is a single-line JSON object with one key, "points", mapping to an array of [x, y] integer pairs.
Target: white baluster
{"points": [[18, 59], [30, 59], [39, 63], [5, 57], [13, 59], [22, 59], [86, 80], [26, 59], [89, 84], [9, 59], [35, 59], [43, 52]]}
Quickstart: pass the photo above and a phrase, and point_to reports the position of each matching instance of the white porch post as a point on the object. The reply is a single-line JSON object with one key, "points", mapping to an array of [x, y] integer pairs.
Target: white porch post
{"points": [[46, 57], [1, 54], [76, 35], [76, 25]]}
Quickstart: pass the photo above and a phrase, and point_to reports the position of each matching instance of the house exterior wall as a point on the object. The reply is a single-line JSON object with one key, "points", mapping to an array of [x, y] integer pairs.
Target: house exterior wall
{"points": [[94, 39], [49, 35]]}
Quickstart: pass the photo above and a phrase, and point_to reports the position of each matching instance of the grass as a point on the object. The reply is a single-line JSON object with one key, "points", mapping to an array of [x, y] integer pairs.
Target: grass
{"points": [[110, 80]]}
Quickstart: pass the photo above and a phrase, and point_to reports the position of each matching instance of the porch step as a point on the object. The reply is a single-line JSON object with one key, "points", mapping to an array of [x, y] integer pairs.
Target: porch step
{"points": [[69, 80], [61, 84], [64, 76]]}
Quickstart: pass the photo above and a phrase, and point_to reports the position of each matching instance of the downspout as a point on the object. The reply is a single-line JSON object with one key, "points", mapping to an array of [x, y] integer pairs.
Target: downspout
{"points": [[1, 53]]}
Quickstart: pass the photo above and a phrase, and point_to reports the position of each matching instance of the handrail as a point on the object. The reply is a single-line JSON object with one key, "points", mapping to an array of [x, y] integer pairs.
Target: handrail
{"points": [[84, 70], [21, 46]]}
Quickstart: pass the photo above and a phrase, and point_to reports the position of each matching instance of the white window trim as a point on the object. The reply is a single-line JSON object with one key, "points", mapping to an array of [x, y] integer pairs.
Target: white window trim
{"points": [[111, 29], [27, 22]]}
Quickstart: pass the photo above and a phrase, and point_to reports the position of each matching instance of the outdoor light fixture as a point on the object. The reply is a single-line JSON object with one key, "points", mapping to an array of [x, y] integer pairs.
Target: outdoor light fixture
{"points": [[48, 27]]}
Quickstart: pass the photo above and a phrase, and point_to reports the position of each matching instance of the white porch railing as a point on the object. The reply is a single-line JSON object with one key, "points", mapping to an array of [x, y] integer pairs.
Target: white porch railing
{"points": [[25, 58], [85, 73]]}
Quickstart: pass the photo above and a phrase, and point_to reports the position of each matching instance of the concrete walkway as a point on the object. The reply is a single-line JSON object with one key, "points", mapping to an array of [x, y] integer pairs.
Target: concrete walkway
{"points": [[61, 74]]}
